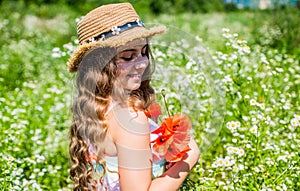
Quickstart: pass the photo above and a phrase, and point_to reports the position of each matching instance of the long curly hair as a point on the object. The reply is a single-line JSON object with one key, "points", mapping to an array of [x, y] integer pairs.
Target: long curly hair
{"points": [[95, 83]]}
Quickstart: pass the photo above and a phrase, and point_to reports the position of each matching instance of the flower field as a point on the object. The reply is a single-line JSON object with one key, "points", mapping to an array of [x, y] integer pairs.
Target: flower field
{"points": [[222, 70]]}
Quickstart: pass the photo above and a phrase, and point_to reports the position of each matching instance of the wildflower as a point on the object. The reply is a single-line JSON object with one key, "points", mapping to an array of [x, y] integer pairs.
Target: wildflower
{"points": [[294, 122], [269, 162], [261, 106], [214, 165], [236, 135], [227, 162], [235, 150], [268, 120], [235, 169], [227, 35], [255, 121], [220, 162], [252, 102], [256, 169], [241, 167], [227, 79], [56, 49], [264, 60], [284, 187], [153, 111], [287, 106], [245, 118], [241, 152], [230, 150], [197, 38], [260, 115], [232, 126], [225, 30], [174, 137], [282, 122], [253, 129], [280, 70], [246, 49]]}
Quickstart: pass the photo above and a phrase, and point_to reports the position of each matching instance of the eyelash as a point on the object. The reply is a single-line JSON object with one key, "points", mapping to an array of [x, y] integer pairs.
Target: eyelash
{"points": [[127, 59], [131, 57]]}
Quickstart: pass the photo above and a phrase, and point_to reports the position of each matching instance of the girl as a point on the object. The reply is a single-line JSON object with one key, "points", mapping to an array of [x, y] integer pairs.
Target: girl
{"points": [[110, 135]]}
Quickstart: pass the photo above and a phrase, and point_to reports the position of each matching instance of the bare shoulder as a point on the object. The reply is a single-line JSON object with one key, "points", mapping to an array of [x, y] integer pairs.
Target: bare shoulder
{"points": [[125, 124]]}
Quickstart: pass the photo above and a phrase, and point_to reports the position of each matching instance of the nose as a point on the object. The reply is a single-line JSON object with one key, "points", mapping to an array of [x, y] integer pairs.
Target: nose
{"points": [[141, 62]]}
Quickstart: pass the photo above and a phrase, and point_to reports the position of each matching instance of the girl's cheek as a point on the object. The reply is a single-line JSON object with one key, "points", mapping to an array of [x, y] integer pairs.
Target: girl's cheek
{"points": [[125, 65]]}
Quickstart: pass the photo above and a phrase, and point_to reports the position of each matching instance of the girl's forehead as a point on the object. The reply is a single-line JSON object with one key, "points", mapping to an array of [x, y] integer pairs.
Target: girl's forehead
{"points": [[135, 44]]}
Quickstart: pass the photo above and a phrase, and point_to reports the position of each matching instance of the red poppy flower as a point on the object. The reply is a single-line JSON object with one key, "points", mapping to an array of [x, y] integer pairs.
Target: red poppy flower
{"points": [[174, 154], [174, 137], [153, 110]]}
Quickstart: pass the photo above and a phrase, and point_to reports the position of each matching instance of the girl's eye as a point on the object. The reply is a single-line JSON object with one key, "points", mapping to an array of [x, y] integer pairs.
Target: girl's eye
{"points": [[127, 58]]}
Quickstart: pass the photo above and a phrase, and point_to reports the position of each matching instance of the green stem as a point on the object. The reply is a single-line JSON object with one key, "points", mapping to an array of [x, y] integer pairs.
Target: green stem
{"points": [[290, 167], [256, 147], [165, 102]]}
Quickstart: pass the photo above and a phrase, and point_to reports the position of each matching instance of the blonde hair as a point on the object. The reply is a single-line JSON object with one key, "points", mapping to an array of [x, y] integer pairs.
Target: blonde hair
{"points": [[95, 83]]}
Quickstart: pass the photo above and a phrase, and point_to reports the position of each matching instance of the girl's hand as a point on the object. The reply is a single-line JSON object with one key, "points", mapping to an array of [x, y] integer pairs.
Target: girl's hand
{"points": [[169, 165]]}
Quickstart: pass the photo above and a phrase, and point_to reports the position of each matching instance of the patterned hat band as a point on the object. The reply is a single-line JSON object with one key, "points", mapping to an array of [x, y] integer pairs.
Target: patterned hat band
{"points": [[117, 30]]}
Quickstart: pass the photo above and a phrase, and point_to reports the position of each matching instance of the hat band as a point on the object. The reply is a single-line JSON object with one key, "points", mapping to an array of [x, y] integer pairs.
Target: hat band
{"points": [[117, 30]]}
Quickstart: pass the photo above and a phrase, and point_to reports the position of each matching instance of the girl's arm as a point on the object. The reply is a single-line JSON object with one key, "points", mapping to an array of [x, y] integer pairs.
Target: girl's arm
{"points": [[130, 131], [174, 176]]}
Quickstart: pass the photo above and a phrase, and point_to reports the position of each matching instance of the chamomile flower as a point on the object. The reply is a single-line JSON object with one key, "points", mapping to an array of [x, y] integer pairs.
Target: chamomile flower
{"points": [[228, 161], [241, 152], [235, 169], [225, 30], [230, 149], [214, 165], [231, 126], [235, 150], [294, 122], [253, 129], [252, 102], [220, 162]]}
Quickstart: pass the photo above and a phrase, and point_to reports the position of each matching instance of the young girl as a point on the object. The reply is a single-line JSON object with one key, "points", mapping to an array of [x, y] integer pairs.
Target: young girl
{"points": [[110, 136]]}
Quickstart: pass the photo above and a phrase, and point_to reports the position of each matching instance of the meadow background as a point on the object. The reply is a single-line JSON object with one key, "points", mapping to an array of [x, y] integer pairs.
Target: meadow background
{"points": [[236, 73]]}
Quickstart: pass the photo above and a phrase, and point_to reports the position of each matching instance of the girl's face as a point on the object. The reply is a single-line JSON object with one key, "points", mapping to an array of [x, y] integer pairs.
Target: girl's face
{"points": [[131, 62]]}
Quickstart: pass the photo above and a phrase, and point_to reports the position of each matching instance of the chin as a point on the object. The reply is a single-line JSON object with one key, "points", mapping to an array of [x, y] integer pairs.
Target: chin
{"points": [[133, 87]]}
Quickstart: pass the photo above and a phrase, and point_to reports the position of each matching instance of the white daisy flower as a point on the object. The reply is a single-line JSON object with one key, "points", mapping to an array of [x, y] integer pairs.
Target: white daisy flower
{"points": [[252, 102]]}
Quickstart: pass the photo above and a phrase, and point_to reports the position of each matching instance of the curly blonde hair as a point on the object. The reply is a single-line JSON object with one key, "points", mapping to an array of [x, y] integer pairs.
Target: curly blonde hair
{"points": [[95, 83]]}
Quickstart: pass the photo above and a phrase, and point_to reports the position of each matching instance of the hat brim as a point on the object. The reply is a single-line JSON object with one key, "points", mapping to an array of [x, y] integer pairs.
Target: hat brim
{"points": [[114, 41]]}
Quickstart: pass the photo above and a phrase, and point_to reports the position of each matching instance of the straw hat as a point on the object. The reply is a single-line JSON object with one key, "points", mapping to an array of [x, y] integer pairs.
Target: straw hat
{"points": [[109, 25]]}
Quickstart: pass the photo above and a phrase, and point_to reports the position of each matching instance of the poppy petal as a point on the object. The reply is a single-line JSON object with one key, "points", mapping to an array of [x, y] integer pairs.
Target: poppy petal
{"points": [[154, 110]]}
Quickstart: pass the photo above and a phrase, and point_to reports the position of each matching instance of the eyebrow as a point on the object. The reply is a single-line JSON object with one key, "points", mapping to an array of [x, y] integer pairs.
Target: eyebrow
{"points": [[133, 49]]}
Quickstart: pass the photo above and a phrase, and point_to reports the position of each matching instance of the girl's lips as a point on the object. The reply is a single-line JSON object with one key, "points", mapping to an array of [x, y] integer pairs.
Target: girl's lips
{"points": [[134, 75]]}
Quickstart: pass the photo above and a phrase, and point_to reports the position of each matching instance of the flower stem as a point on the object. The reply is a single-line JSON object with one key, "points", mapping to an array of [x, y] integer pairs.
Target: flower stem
{"points": [[165, 102]]}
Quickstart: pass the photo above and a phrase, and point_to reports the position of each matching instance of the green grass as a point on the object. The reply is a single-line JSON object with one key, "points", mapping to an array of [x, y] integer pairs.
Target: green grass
{"points": [[241, 96]]}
